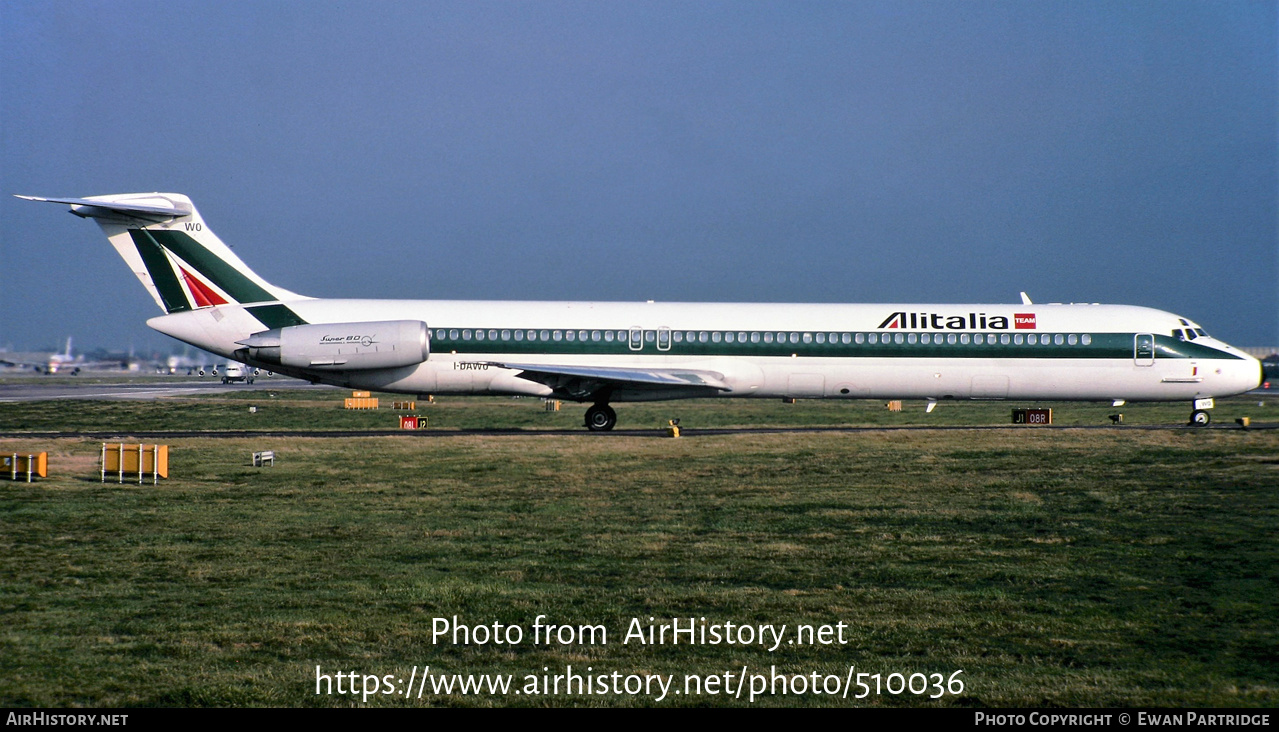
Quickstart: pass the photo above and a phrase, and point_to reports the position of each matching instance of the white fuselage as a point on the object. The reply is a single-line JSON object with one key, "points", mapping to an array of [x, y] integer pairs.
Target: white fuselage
{"points": [[931, 351]]}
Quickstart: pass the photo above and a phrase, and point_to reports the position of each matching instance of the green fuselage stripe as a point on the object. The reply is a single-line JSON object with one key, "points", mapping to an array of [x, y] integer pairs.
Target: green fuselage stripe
{"points": [[1102, 346], [275, 316]]}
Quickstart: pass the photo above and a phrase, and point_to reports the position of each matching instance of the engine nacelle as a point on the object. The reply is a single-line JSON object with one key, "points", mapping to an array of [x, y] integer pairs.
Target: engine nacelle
{"points": [[383, 344]]}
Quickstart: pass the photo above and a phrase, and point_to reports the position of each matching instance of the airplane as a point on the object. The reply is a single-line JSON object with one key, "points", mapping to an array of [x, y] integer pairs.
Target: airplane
{"points": [[611, 352], [52, 363], [48, 363]]}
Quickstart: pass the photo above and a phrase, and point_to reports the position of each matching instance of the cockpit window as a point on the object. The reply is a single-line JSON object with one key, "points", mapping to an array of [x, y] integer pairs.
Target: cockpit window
{"points": [[1201, 332]]}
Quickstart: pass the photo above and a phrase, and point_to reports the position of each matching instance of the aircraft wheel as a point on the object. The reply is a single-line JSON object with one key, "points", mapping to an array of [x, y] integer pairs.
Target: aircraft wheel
{"points": [[1199, 418], [600, 418]]}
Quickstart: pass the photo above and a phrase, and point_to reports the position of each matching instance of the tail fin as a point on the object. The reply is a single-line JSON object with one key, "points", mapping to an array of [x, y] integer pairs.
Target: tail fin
{"points": [[163, 239]]}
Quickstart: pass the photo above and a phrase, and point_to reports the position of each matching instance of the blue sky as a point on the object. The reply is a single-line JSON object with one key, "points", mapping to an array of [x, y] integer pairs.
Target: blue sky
{"points": [[741, 151]]}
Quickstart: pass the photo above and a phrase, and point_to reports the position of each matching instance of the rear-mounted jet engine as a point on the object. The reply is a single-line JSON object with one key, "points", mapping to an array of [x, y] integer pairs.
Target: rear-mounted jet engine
{"points": [[382, 344]]}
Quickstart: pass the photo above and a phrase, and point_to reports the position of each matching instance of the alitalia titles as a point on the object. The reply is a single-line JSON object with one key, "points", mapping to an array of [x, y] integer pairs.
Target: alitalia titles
{"points": [[958, 321]]}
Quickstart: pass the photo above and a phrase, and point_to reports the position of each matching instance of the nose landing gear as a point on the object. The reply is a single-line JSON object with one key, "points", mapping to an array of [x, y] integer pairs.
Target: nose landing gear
{"points": [[600, 418], [1200, 417]]}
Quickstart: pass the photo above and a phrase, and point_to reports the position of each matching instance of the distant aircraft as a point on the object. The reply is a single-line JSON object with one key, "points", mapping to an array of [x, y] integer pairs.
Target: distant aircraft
{"points": [[607, 352], [53, 363], [59, 360]]}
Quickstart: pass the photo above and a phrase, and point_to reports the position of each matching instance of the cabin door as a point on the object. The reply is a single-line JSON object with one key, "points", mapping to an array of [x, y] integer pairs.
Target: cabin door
{"points": [[1143, 349]]}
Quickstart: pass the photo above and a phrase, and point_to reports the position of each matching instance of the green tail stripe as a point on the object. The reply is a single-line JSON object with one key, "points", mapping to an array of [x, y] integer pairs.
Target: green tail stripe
{"points": [[276, 316], [227, 278], [162, 275]]}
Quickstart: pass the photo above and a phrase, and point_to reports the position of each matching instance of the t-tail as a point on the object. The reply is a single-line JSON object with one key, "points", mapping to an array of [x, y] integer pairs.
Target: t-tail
{"points": [[163, 239]]}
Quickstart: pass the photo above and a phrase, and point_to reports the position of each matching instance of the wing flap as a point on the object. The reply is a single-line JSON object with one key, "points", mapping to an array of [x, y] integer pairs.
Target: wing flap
{"points": [[584, 381]]}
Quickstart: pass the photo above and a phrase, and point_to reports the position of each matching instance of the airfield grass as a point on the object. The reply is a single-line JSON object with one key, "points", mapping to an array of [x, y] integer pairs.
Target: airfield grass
{"points": [[322, 409], [1054, 568]]}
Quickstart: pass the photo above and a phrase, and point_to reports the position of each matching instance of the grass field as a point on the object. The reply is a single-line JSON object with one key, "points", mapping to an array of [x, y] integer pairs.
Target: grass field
{"points": [[1054, 568]]}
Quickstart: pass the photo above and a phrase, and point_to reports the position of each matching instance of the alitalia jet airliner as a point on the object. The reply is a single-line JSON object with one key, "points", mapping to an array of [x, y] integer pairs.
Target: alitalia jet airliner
{"points": [[605, 352]]}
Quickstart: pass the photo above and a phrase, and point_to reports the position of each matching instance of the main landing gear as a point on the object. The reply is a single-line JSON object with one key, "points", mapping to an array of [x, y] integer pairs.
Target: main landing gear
{"points": [[600, 418]]}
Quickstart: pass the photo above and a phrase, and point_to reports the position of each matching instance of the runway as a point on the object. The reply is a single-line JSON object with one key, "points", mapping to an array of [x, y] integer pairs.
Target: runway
{"points": [[612, 434], [35, 389], [32, 390]]}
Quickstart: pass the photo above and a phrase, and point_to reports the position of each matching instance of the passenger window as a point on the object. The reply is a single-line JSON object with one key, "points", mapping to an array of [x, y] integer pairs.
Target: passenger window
{"points": [[845, 338], [1072, 339], [519, 335], [715, 337], [768, 337], [679, 336], [1003, 339], [595, 335], [557, 335], [754, 337], [951, 338], [506, 335], [1032, 339], [979, 339], [860, 338], [1086, 339], [821, 337], [728, 337], [794, 338], [608, 336], [570, 335], [650, 336], [1059, 339], [911, 338], [873, 338]]}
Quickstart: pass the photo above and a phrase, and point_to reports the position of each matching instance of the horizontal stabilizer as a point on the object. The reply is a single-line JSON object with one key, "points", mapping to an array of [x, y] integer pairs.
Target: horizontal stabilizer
{"points": [[152, 207]]}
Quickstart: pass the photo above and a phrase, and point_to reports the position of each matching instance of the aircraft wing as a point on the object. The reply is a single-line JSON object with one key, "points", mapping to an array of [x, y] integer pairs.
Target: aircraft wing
{"points": [[585, 382]]}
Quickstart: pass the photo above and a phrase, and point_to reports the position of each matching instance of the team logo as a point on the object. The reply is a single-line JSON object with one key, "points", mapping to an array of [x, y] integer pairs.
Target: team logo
{"points": [[1024, 321]]}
